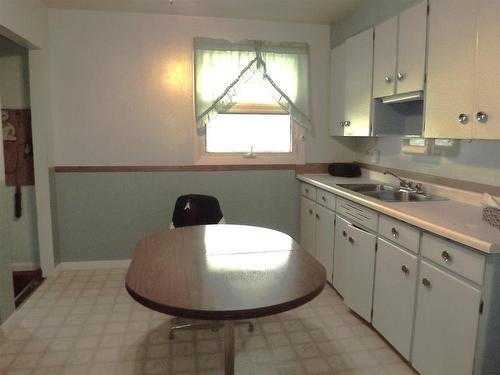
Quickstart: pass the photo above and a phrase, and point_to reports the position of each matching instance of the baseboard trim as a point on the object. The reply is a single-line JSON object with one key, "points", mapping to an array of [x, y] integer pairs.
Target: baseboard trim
{"points": [[88, 265]]}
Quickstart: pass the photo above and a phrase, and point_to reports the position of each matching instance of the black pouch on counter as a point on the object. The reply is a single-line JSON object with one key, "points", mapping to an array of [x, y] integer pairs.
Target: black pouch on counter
{"points": [[344, 170]]}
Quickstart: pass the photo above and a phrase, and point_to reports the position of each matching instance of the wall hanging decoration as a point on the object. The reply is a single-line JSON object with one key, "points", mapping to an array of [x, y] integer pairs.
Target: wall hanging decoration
{"points": [[18, 151]]}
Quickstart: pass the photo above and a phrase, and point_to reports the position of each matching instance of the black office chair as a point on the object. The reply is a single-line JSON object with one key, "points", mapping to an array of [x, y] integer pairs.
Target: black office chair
{"points": [[196, 209]]}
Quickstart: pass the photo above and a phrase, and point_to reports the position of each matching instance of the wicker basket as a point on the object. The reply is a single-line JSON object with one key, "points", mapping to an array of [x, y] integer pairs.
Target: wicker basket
{"points": [[492, 216]]}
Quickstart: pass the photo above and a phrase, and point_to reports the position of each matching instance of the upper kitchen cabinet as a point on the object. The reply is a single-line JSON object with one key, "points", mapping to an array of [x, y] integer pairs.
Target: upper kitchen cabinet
{"points": [[487, 84], [384, 58], [399, 54], [337, 85], [462, 84], [352, 73], [399, 73]]}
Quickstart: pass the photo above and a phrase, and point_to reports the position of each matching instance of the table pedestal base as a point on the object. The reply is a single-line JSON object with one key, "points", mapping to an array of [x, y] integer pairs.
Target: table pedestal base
{"points": [[229, 347]]}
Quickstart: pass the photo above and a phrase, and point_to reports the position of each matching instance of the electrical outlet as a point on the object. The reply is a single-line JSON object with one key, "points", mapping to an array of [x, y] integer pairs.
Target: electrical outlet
{"points": [[374, 156]]}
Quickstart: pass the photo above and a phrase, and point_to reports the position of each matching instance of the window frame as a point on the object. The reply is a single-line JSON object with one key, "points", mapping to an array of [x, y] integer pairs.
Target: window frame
{"points": [[297, 156]]}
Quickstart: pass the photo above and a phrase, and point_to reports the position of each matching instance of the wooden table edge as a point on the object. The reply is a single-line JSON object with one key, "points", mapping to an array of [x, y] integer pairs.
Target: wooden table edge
{"points": [[226, 315]]}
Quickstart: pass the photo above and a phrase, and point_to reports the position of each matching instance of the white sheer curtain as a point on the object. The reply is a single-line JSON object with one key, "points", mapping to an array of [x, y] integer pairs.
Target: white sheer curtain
{"points": [[252, 72]]}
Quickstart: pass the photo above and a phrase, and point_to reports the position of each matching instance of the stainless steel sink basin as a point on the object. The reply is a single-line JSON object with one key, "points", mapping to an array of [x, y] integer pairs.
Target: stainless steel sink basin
{"points": [[389, 193], [369, 187], [398, 196]]}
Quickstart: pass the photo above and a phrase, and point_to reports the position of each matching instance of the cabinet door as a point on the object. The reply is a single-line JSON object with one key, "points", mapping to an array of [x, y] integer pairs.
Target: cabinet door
{"points": [[487, 77], [324, 239], [384, 58], [337, 87], [362, 262], [358, 87], [446, 323], [411, 49], [450, 68], [358, 247], [341, 272], [307, 212], [394, 295]]}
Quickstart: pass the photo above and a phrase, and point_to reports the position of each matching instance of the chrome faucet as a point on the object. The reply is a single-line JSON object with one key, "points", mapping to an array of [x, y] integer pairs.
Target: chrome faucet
{"points": [[402, 182], [409, 186]]}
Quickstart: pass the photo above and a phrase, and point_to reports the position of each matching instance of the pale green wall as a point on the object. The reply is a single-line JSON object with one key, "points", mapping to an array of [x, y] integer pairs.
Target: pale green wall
{"points": [[23, 230], [6, 287], [477, 161], [101, 216]]}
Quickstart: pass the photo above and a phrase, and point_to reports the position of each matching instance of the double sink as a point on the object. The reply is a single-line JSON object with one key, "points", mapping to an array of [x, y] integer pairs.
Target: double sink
{"points": [[389, 193]]}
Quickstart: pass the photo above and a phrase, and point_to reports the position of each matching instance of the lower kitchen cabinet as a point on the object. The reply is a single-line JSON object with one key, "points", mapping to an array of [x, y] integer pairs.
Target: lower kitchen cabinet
{"points": [[394, 295], [307, 219], [341, 275], [354, 266], [436, 301], [324, 238], [446, 323]]}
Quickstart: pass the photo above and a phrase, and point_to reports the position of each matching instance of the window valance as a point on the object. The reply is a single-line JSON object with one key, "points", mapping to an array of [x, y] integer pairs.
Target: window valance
{"points": [[251, 73]]}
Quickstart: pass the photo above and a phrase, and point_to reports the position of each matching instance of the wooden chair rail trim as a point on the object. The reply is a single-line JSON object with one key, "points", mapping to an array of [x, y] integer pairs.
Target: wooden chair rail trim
{"points": [[298, 168]]}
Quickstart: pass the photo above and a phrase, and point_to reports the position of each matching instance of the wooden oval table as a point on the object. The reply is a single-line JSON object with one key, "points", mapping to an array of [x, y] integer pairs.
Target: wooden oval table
{"points": [[223, 272]]}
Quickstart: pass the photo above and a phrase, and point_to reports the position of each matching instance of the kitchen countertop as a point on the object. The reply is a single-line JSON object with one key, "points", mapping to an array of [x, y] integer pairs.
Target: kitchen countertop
{"points": [[455, 220]]}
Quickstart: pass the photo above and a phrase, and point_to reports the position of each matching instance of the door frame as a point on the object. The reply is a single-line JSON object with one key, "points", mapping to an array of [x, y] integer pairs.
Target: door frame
{"points": [[39, 83]]}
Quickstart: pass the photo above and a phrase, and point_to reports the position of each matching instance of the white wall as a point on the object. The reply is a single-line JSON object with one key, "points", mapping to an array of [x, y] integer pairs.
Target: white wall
{"points": [[122, 85], [25, 21], [13, 81]]}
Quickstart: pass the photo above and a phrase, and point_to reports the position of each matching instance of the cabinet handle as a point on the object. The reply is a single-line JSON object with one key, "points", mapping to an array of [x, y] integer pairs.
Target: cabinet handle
{"points": [[307, 191], [426, 282], [347, 123], [463, 118], [317, 216], [341, 123], [401, 76], [310, 212], [394, 232], [351, 240], [388, 79], [405, 269], [446, 256], [323, 199], [481, 117], [344, 233]]}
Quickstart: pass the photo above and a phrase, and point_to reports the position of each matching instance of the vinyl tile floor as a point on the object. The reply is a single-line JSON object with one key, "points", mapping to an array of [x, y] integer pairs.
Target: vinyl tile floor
{"points": [[84, 322]]}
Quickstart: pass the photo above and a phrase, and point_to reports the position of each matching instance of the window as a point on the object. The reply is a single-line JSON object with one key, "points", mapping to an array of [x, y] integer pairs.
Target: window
{"points": [[250, 98], [243, 133]]}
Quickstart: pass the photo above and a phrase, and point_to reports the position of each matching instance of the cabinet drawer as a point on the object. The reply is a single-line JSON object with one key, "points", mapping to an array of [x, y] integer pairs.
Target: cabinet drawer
{"points": [[308, 191], [357, 213], [400, 233], [456, 258], [326, 199]]}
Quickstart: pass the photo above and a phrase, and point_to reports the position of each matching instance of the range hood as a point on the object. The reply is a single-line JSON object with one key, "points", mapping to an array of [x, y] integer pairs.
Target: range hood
{"points": [[402, 98]]}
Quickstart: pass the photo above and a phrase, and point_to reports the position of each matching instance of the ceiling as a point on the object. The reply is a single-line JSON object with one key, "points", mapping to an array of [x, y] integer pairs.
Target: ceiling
{"points": [[324, 12]]}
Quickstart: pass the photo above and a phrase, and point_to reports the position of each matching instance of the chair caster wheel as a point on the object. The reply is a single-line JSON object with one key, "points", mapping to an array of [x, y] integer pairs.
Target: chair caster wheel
{"points": [[171, 335], [251, 328]]}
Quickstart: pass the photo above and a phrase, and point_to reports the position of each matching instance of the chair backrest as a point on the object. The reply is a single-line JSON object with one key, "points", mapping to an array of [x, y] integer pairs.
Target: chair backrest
{"points": [[196, 209]]}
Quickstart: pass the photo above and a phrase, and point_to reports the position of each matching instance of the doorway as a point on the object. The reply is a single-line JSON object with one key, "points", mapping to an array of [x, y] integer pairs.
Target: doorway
{"points": [[20, 255]]}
